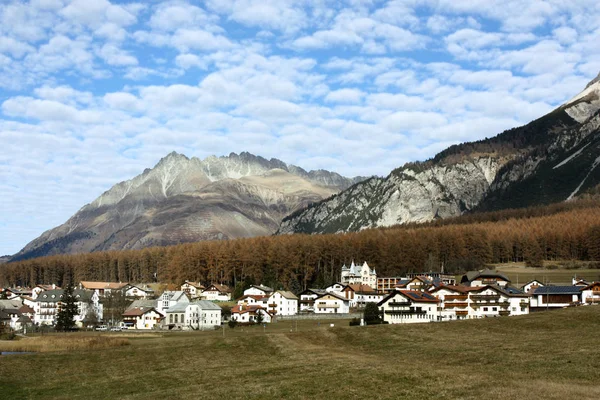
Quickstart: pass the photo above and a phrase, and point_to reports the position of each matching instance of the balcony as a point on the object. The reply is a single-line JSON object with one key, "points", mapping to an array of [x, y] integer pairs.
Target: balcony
{"points": [[399, 303], [405, 312], [485, 297], [504, 313], [328, 306], [592, 300], [451, 297], [272, 305], [595, 292], [462, 313], [455, 305]]}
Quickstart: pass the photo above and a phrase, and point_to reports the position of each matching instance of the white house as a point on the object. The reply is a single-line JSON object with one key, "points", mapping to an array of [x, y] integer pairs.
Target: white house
{"points": [[282, 302], [248, 314], [406, 307], [49, 302], [454, 302], [416, 283], [259, 290], [548, 297], [359, 295], [250, 299], [307, 299], [142, 318], [355, 274], [192, 289], [216, 292], [139, 291], [530, 286], [169, 299], [331, 303], [336, 288], [203, 315], [40, 288], [591, 294]]}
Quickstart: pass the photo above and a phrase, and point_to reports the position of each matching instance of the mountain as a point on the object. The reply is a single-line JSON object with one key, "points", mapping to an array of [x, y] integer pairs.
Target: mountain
{"points": [[551, 159], [186, 199]]}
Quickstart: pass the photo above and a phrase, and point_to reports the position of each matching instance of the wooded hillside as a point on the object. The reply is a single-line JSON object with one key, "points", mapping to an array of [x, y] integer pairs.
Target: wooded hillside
{"points": [[559, 232]]}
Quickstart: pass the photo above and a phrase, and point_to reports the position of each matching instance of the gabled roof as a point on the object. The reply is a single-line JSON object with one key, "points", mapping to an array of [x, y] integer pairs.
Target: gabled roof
{"points": [[360, 288], [138, 311], [103, 285], [207, 305], [177, 308], [54, 296], [265, 289], [532, 281], [454, 288], [355, 269], [332, 295], [26, 310], [197, 285], [557, 290], [257, 297], [219, 288], [412, 295], [590, 286], [287, 294], [317, 292], [251, 308], [143, 304], [486, 273]]}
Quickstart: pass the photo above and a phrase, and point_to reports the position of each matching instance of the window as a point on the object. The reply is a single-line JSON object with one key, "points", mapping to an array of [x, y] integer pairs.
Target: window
{"points": [[494, 308], [485, 308]]}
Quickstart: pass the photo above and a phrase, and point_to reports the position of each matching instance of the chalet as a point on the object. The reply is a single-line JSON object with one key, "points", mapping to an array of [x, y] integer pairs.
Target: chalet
{"points": [[259, 290], [49, 302], [216, 292], [406, 306], [282, 302], [484, 278], [530, 286], [142, 318], [139, 291], [359, 295], [331, 303], [192, 289], [248, 314], [307, 299], [104, 288], [359, 275], [551, 297], [591, 294]]}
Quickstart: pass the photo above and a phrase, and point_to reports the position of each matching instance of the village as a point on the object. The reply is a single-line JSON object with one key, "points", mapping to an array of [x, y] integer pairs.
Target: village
{"points": [[417, 298]]}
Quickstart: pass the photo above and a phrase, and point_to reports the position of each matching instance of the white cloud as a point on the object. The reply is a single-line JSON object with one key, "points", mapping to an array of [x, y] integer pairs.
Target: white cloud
{"points": [[344, 96], [113, 55]]}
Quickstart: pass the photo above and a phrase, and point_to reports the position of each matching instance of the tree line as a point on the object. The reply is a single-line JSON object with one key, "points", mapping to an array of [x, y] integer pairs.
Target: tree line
{"points": [[295, 262]]}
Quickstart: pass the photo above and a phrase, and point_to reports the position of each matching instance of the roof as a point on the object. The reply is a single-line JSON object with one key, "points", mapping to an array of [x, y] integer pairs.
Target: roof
{"points": [[176, 295], [486, 273], [103, 285], [143, 303], [142, 287], [557, 290], [263, 288], [194, 284], [138, 311], [412, 295], [361, 288], [26, 310], [590, 286], [255, 296], [4, 315], [532, 281], [332, 295], [207, 305], [317, 292], [220, 288], [53, 296], [454, 288], [354, 269], [13, 303], [178, 308], [287, 294], [251, 308]]}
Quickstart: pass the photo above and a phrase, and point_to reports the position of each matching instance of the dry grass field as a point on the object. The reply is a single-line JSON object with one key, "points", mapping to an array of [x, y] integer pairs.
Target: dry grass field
{"points": [[551, 355], [519, 274]]}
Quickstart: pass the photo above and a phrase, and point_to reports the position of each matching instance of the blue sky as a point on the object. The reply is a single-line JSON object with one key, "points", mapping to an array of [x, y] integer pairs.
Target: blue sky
{"points": [[94, 92]]}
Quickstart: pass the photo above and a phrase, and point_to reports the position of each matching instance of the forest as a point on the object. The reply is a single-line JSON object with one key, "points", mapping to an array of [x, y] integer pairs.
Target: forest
{"points": [[566, 231]]}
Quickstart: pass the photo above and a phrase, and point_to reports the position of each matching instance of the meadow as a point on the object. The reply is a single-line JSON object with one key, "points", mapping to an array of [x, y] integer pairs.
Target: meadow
{"points": [[546, 355], [554, 272]]}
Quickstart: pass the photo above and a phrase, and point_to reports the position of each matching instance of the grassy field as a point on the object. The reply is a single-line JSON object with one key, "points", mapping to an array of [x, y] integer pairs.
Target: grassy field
{"points": [[552, 355], [519, 274]]}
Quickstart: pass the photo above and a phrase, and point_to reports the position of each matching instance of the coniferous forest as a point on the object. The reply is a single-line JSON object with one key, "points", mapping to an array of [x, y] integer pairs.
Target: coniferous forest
{"points": [[565, 231]]}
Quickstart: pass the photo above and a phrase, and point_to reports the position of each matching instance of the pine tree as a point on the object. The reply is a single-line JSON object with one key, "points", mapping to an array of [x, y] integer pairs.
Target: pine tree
{"points": [[371, 315], [65, 319]]}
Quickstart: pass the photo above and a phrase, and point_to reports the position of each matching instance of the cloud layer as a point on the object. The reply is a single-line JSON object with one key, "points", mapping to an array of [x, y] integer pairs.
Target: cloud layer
{"points": [[93, 92]]}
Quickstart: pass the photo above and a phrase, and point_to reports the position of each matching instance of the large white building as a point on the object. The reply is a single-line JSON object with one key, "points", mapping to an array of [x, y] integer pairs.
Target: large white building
{"points": [[331, 303], [48, 303], [355, 274], [282, 302]]}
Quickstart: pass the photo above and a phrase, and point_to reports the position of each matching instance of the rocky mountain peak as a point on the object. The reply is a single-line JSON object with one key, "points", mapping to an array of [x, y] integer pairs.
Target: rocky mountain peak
{"points": [[596, 79]]}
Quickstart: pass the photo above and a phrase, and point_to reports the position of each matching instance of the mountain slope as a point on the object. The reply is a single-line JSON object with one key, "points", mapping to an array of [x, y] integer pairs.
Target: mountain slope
{"points": [[184, 200], [550, 159]]}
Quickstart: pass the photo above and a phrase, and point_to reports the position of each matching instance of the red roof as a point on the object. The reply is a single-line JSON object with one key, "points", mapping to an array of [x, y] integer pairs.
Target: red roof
{"points": [[139, 311], [251, 308]]}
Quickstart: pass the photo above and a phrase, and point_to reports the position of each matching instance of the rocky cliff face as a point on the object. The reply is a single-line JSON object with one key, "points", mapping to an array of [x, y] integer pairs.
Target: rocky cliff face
{"points": [[551, 159], [183, 200]]}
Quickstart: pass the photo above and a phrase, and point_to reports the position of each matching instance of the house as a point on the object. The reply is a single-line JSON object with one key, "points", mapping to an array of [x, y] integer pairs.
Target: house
{"points": [[590, 294], [387, 284], [361, 275], [454, 301], [359, 295], [336, 288], [307, 299], [579, 282], [248, 314], [551, 297], [175, 316], [417, 283], [259, 290], [483, 278], [494, 301], [169, 299], [407, 306], [104, 288], [142, 318], [16, 293], [139, 291], [216, 292], [49, 302], [530, 286], [331, 303], [282, 302], [202, 315], [445, 279], [192, 289], [249, 299], [40, 288]]}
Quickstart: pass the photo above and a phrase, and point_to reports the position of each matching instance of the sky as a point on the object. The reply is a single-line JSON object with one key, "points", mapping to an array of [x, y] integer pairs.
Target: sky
{"points": [[94, 92]]}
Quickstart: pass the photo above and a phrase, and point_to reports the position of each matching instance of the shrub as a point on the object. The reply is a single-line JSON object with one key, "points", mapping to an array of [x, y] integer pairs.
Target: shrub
{"points": [[232, 323], [354, 322]]}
